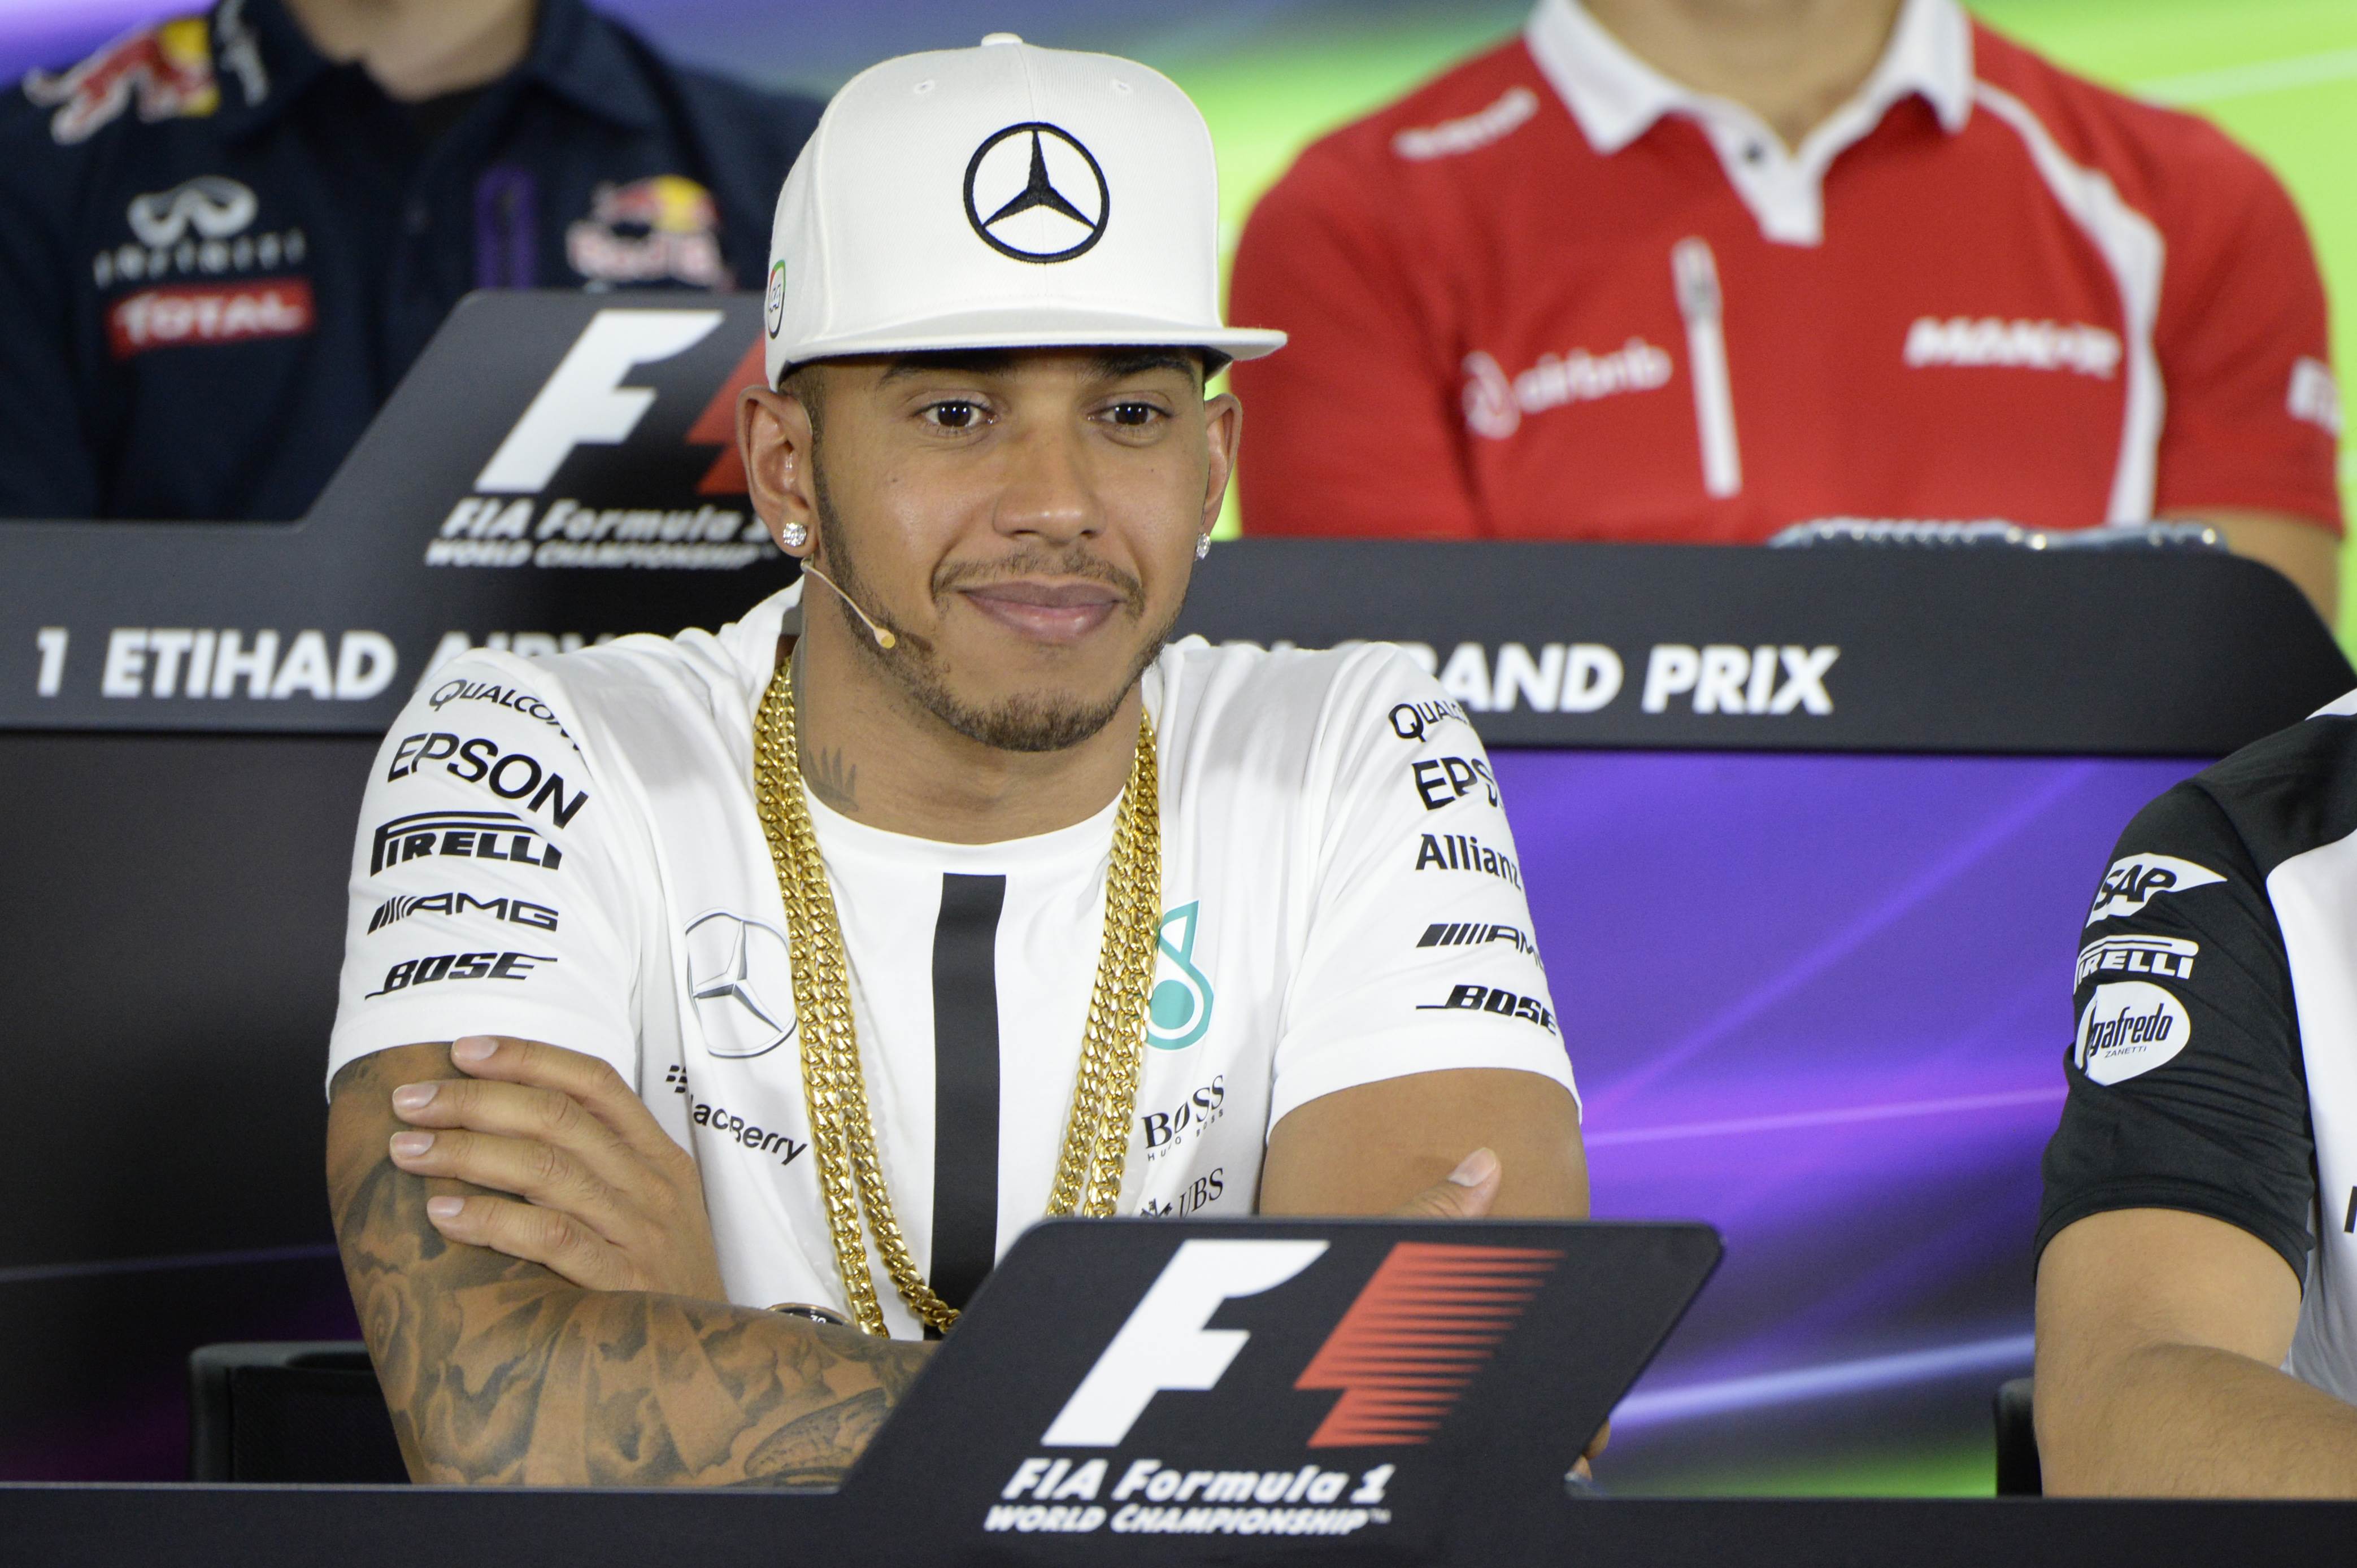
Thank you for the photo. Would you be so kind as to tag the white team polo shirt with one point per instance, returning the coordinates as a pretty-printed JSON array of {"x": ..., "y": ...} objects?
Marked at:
[{"x": 566, "y": 849}]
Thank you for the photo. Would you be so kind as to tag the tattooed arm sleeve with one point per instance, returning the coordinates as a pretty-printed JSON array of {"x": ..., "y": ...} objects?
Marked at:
[{"x": 496, "y": 1370}]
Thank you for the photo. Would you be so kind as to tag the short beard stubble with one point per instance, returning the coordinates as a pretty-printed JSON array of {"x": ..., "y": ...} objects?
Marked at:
[{"x": 1031, "y": 724}]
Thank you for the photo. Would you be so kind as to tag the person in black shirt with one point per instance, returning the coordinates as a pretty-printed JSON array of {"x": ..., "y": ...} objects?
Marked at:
[
  {"x": 2197, "y": 1292},
  {"x": 225, "y": 237}
]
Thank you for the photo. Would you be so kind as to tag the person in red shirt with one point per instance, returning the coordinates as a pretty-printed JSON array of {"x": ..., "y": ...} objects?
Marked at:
[{"x": 1677, "y": 270}]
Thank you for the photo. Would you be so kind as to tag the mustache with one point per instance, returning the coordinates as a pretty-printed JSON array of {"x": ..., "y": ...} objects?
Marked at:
[{"x": 1038, "y": 561}]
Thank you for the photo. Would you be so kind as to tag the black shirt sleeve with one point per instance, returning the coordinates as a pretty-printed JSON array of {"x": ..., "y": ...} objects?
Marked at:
[
  {"x": 47, "y": 466},
  {"x": 2187, "y": 1088}
]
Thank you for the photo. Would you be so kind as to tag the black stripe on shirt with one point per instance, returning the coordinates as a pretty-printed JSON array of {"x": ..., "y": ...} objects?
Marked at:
[{"x": 966, "y": 1084}]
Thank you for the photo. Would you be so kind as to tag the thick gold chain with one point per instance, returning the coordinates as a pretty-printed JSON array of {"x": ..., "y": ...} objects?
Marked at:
[{"x": 843, "y": 1131}]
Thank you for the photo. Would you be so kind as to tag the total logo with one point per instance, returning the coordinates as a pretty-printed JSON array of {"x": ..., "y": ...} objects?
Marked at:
[
  {"x": 1391, "y": 1395},
  {"x": 2128, "y": 1028},
  {"x": 740, "y": 978}
]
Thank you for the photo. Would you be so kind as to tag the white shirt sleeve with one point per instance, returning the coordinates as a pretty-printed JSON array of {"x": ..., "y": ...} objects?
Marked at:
[
  {"x": 489, "y": 886},
  {"x": 1419, "y": 956}
]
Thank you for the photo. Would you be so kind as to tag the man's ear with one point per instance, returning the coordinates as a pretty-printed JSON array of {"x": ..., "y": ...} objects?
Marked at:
[
  {"x": 773, "y": 434},
  {"x": 1224, "y": 424}
]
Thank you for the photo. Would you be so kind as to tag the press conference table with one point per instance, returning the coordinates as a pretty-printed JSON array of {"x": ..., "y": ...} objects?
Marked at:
[{"x": 397, "y": 1527}]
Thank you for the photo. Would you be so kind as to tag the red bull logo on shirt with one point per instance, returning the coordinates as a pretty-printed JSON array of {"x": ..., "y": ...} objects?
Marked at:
[
  {"x": 662, "y": 228},
  {"x": 167, "y": 70}
]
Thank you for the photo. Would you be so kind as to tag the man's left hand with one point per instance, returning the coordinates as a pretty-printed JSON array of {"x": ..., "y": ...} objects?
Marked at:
[{"x": 609, "y": 1201}]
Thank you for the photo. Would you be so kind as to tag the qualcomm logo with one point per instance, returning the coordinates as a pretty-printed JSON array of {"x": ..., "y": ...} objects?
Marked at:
[
  {"x": 1180, "y": 1009},
  {"x": 741, "y": 978}
]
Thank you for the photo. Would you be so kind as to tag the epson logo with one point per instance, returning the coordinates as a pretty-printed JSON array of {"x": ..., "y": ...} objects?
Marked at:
[
  {"x": 1494, "y": 999},
  {"x": 516, "y": 911},
  {"x": 1442, "y": 781},
  {"x": 466, "y": 835},
  {"x": 2171, "y": 956},
  {"x": 461, "y": 966},
  {"x": 514, "y": 776},
  {"x": 1462, "y": 934}
]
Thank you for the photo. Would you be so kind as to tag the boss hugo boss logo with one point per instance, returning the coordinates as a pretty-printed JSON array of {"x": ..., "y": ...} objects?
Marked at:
[
  {"x": 741, "y": 978},
  {"x": 1035, "y": 193}
]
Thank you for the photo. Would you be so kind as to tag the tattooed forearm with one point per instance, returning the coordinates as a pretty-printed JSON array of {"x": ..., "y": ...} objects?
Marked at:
[
  {"x": 497, "y": 1370},
  {"x": 833, "y": 780}
]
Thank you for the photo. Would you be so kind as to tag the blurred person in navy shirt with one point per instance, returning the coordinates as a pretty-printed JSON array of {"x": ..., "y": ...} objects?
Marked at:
[{"x": 225, "y": 237}]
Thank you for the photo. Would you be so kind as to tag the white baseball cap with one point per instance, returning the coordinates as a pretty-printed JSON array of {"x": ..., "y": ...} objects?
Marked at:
[{"x": 1000, "y": 197}]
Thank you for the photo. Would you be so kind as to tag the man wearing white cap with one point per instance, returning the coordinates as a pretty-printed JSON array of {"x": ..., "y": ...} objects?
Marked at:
[{"x": 817, "y": 957}]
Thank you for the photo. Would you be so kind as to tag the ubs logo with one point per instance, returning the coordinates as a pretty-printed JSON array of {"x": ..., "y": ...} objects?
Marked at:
[
  {"x": 1044, "y": 194},
  {"x": 741, "y": 978}
]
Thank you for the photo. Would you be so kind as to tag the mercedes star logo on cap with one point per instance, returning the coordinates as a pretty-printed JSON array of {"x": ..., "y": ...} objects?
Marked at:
[{"x": 1045, "y": 195}]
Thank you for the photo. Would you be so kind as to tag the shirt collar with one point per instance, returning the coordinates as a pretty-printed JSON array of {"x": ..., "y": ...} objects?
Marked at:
[
  {"x": 1617, "y": 98},
  {"x": 264, "y": 62}
]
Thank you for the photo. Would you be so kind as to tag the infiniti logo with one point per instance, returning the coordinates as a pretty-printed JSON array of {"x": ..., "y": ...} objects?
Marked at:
[
  {"x": 1044, "y": 195},
  {"x": 216, "y": 205},
  {"x": 742, "y": 981}
]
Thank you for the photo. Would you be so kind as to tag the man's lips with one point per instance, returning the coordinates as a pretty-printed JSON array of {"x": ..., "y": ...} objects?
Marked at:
[{"x": 1046, "y": 611}]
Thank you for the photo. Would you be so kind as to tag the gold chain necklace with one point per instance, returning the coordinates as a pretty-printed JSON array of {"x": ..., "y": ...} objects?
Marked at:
[{"x": 843, "y": 1131}]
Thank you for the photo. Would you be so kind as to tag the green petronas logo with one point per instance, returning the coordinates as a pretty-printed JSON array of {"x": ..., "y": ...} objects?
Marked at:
[{"x": 1182, "y": 1008}]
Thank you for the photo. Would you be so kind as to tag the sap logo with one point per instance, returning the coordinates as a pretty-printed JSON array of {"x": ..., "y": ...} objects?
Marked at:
[
  {"x": 583, "y": 400},
  {"x": 1393, "y": 1393},
  {"x": 1561, "y": 677},
  {"x": 1459, "y": 934},
  {"x": 2172, "y": 956},
  {"x": 174, "y": 661},
  {"x": 1494, "y": 999},
  {"x": 1194, "y": 1113},
  {"x": 1442, "y": 781},
  {"x": 461, "y": 966},
  {"x": 2136, "y": 880},
  {"x": 512, "y": 777},
  {"x": 516, "y": 911},
  {"x": 466, "y": 835},
  {"x": 1725, "y": 679},
  {"x": 1409, "y": 721},
  {"x": 2128, "y": 1027},
  {"x": 1202, "y": 1193},
  {"x": 1465, "y": 852}
]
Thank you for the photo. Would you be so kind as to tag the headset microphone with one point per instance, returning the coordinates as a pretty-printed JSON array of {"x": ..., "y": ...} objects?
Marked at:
[{"x": 884, "y": 639}]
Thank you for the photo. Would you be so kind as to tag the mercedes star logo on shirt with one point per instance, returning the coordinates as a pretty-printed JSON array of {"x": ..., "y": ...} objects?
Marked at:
[
  {"x": 742, "y": 981},
  {"x": 1044, "y": 194}
]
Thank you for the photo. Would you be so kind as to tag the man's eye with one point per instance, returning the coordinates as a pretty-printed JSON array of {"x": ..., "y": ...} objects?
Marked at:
[
  {"x": 954, "y": 416},
  {"x": 1134, "y": 413}
]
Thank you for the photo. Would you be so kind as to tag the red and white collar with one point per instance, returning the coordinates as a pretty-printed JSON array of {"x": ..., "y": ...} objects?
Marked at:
[{"x": 1617, "y": 97}]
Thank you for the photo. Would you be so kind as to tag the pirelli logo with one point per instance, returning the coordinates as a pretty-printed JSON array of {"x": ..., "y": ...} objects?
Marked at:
[{"x": 2169, "y": 956}]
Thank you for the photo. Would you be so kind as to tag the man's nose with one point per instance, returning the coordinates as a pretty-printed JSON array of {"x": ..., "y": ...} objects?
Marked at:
[{"x": 1046, "y": 493}]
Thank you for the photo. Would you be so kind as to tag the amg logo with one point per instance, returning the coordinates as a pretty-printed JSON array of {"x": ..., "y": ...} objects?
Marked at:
[
  {"x": 516, "y": 911},
  {"x": 1495, "y": 999},
  {"x": 461, "y": 966},
  {"x": 467, "y": 835},
  {"x": 1465, "y": 852},
  {"x": 1447, "y": 934},
  {"x": 2171, "y": 956}
]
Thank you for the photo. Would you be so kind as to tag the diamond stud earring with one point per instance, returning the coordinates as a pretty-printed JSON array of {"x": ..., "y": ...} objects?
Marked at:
[
  {"x": 794, "y": 535},
  {"x": 1203, "y": 545}
]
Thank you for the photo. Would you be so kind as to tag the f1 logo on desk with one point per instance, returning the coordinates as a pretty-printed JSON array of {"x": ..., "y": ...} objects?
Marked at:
[{"x": 1425, "y": 1324}]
